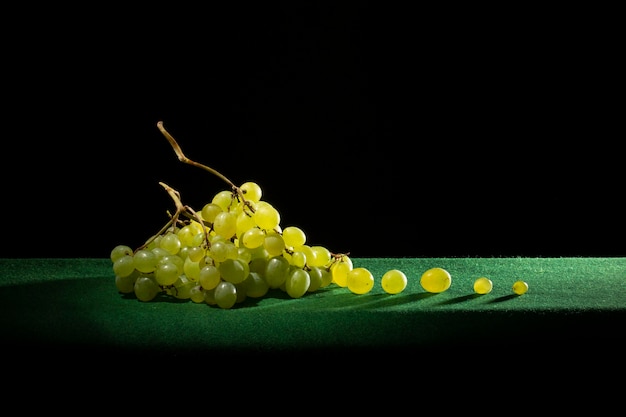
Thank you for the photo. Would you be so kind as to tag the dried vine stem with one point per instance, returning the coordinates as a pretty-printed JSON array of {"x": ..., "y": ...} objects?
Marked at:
[{"x": 183, "y": 158}]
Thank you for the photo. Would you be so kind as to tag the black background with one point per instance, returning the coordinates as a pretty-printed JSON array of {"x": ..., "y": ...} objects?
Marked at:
[{"x": 380, "y": 131}]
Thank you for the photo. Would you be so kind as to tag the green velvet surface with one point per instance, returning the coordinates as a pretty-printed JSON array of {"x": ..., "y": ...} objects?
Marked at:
[{"x": 73, "y": 303}]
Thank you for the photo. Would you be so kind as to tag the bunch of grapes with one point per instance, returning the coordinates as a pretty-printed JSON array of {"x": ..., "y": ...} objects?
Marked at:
[{"x": 232, "y": 249}]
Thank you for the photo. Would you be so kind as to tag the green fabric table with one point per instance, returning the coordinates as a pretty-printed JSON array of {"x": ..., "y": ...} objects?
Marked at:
[{"x": 67, "y": 304}]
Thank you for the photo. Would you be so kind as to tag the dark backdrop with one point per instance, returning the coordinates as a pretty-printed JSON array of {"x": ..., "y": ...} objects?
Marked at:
[{"x": 380, "y": 131}]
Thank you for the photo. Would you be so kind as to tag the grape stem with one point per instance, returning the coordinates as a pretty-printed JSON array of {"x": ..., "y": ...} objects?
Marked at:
[
  {"x": 180, "y": 209},
  {"x": 187, "y": 211},
  {"x": 183, "y": 158}
]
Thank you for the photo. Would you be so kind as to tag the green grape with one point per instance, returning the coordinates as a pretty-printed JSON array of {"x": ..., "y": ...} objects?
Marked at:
[
  {"x": 223, "y": 199},
  {"x": 225, "y": 294},
  {"x": 209, "y": 211},
  {"x": 145, "y": 288},
  {"x": 209, "y": 297},
  {"x": 196, "y": 294},
  {"x": 256, "y": 286},
  {"x": 174, "y": 259},
  {"x": 259, "y": 252},
  {"x": 436, "y": 280},
  {"x": 360, "y": 280},
  {"x": 155, "y": 242},
  {"x": 119, "y": 251},
  {"x": 274, "y": 244},
  {"x": 294, "y": 236},
  {"x": 321, "y": 256},
  {"x": 195, "y": 253},
  {"x": 520, "y": 287},
  {"x": 145, "y": 260},
  {"x": 483, "y": 285},
  {"x": 222, "y": 249},
  {"x": 187, "y": 233},
  {"x": 182, "y": 253},
  {"x": 394, "y": 281},
  {"x": 192, "y": 269},
  {"x": 339, "y": 270},
  {"x": 209, "y": 277},
  {"x": 124, "y": 266},
  {"x": 159, "y": 252},
  {"x": 316, "y": 276},
  {"x": 126, "y": 284},
  {"x": 297, "y": 282},
  {"x": 166, "y": 273},
  {"x": 298, "y": 259},
  {"x": 251, "y": 191},
  {"x": 171, "y": 243},
  {"x": 240, "y": 289},
  {"x": 253, "y": 238},
  {"x": 182, "y": 288},
  {"x": 225, "y": 224},
  {"x": 258, "y": 265},
  {"x": 266, "y": 216},
  {"x": 308, "y": 252},
  {"x": 276, "y": 271},
  {"x": 327, "y": 277},
  {"x": 234, "y": 270},
  {"x": 244, "y": 222},
  {"x": 245, "y": 254}
]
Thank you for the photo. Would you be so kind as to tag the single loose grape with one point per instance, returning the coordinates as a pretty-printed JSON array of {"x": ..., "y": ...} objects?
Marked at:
[
  {"x": 393, "y": 281},
  {"x": 359, "y": 280},
  {"x": 483, "y": 285},
  {"x": 520, "y": 287},
  {"x": 436, "y": 280}
]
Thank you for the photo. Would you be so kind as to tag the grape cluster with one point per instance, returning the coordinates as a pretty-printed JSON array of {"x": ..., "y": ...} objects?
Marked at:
[{"x": 233, "y": 248}]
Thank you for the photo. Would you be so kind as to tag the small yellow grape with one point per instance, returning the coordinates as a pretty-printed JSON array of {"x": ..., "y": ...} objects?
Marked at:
[
  {"x": 393, "y": 281},
  {"x": 436, "y": 280},
  {"x": 360, "y": 280},
  {"x": 520, "y": 287},
  {"x": 483, "y": 285}
]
